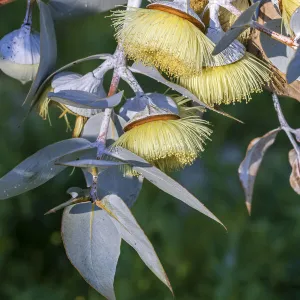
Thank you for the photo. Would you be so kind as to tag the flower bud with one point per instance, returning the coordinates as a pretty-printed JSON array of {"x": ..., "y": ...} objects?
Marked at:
[
  {"x": 72, "y": 81},
  {"x": 20, "y": 54}
]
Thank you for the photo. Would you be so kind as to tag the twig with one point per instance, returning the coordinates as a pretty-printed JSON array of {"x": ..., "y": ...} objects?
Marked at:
[
  {"x": 120, "y": 60},
  {"x": 274, "y": 35},
  {"x": 284, "y": 125}
]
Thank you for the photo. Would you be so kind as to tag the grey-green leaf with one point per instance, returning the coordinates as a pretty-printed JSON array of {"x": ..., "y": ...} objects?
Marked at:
[
  {"x": 245, "y": 19},
  {"x": 250, "y": 165},
  {"x": 40, "y": 167},
  {"x": 82, "y": 99},
  {"x": 229, "y": 37},
  {"x": 114, "y": 181},
  {"x": 132, "y": 233},
  {"x": 161, "y": 180},
  {"x": 72, "y": 8},
  {"x": 279, "y": 54},
  {"x": 293, "y": 70},
  {"x": 87, "y": 163},
  {"x": 295, "y": 22},
  {"x": 92, "y": 244},
  {"x": 48, "y": 50},
  {"x": 91, "y": 128}
]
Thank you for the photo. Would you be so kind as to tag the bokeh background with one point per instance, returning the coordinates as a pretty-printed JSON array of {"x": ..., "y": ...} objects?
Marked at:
[{"x": 259, "y": 256}]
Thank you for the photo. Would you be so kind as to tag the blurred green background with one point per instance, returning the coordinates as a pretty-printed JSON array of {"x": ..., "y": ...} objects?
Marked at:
[{"x": 259, "y": 257}]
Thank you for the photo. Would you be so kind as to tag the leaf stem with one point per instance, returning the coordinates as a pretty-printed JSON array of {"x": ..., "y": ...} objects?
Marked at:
[{"x": 284, "y": 125}]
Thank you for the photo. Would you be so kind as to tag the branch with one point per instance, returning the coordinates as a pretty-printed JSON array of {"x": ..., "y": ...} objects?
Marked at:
[
  {"x": 272, "y": 34},
  {"x": 284, "y": 125}
]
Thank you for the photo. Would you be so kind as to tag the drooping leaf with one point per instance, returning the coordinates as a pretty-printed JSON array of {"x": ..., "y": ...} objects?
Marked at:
[
  {"x": 87, "y": 163},
  {"x": 161, "y": 180},
  {"x": 293, "y": 70},
  {"x": 241, "y": 24},
  {"x": 114, "y": 181},
  {"x": 48, "y": 50},
  {"x": 153, "y": 73},
  {"x": 82, "y": 99},
  {"x": 132, "y": 233},
  {"x": 228, "y": 38},
  {"x": 40, "y": 167},
  {"x": 279, "y": 54},
  {"x": 295, "y": 175},
  {"x": 92, "y": 244},
  {"x": 250, "y": 165},
  {"x": 295, "y": 21},
  {"x": 246, "y": 17},
  {"x": 71, "y": 8}
]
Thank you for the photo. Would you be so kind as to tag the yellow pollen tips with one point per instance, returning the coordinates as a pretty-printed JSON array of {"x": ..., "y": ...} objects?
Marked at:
[
  {"x": 198, "y": 5},
  {"x": 230, "y": 83},
  {"x": 164, "y": 40},
  {"x": 288, "y": 8},
  {"x": 168, "y": 144}
]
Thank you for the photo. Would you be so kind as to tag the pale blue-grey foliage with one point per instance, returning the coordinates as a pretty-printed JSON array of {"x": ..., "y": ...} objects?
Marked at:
[
  {"x": 82, "y": 99},
  {"x": 132, "y": 233},
  {"x": 48, "y": 50},
  {"x": 40, "y": 167},
  {"x": 161, "y": 180},
  {"x": 92, "y": 244}
]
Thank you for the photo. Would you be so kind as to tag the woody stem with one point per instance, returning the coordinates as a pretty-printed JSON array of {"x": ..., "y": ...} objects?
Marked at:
[{"x": 274, "y": 35}]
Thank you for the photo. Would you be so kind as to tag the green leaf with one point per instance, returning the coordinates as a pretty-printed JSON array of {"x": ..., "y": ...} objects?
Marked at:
[
  {"x": 250, "y": 165},
  {"x": 161, "y": 180},
  {"x": 48, "y": 50},
  {"x": 132, "y": 233},
  {"x": 82, "y": 99},
  {"x": 40, "y": 167},
  {"x": 92, "y": 244},
  {"x": 72, "y": 8},
  {"x": 93, "y": 125}
]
